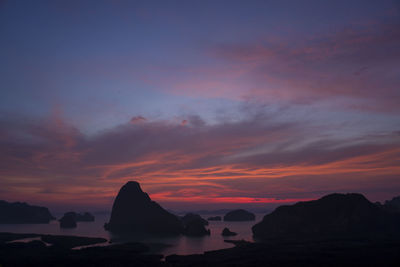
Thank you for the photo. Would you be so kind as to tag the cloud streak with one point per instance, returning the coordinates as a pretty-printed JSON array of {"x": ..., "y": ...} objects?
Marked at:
[
  {"x": 256, "y": 160},
  {"x": 355, "y": 67}
]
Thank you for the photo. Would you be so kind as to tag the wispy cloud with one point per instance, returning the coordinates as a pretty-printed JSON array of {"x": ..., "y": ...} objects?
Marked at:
[
  {"x": 255, "y": 160},
  {"x": 354, "y": 67}
]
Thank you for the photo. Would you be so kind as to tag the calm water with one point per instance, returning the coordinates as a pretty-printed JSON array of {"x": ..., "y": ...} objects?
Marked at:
[{"x": 181, "y": 245}]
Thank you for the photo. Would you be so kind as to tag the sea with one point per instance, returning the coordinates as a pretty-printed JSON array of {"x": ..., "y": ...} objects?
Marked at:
[{"x": 180, "y": 245}]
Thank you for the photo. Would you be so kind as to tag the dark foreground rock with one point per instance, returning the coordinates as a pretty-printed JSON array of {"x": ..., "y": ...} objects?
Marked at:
[
  {"x": 312, "y": 254},
  {"x": 227, "y": 232},
  {"x": 18, "y": 212},
  {"x": 68, "y": 220},
  {"x": 239, "y": 215},
  {"x": 64, "y": 241},
  {"x": 71, "y": 241},
  {"x": 214, "y": 218},
  {"x": 36, "y": 253},
  {"x": 134, "y": 211},
  {"x": 335, "y": 215},
  {"x": 6, "y": 237},
  {"x": 392, "y": 205},
  {"x": 238, "y": 243}
]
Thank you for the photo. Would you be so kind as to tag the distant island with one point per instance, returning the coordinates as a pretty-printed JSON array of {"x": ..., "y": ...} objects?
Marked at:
[
  {"x": 70, "y": 219},
  {"x": 22, "y": 213},
  {"x": 194, "y": 225},
  {"x": 239, "y": 215}
]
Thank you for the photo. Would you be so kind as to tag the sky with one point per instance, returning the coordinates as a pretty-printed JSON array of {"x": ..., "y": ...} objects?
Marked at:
[{"x": 208, "y": 104}]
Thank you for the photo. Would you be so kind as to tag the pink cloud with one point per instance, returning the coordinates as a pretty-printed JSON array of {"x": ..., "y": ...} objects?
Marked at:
[
  {"x": 255, "y": 160},
  {"x": 323, "y": 67},
  {"x": 356, "y": 68}
]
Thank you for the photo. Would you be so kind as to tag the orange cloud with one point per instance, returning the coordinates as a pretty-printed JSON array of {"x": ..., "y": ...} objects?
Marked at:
[{"x": 242, "y": 162}]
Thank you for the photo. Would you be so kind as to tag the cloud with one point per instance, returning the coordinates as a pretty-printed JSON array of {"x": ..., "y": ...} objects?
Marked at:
[
  {"x": 258, "y": 159},
  {"x": 137, "y": 119},
  {"x": 355, "y": 67}
]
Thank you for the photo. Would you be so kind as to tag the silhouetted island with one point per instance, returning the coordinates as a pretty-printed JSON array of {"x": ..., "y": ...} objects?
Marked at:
[
  {"x": 227, "y": 232},
  {"x": 18, "y": 212},
  {"x": 360, "y": 233},
  {"x": 344, "y": 215},
  {"x": 214, "y": 218},
  {"x": 195, "y": 228},
  {"x": 194, "y": 225},
  {"x": 85, "y": 217},
  {"x": 239, "y": 215},
  {"x": 189, "y": 217},
  {"x": 134, "y": 211},
  {"x": 68, "y": 220}
]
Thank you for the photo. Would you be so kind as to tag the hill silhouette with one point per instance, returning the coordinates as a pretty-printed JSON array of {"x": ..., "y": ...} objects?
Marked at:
[
  {"x": 19, "y": 212},
  {"x": 134, "y": 211},
  {"x": 346, "y": 215},
  {"x": 393, "y": 204}
]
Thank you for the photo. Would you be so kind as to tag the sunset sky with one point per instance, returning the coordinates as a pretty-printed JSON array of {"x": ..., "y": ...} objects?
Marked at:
[{"x": 208, "y": 104}]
